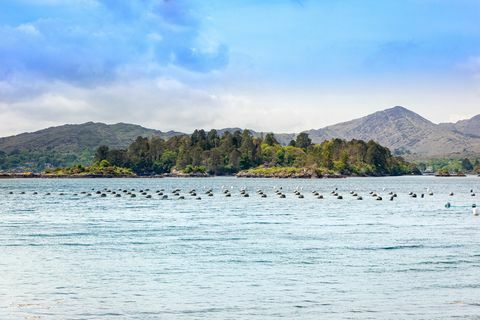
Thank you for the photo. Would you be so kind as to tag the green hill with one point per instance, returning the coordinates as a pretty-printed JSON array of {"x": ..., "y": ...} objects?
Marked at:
[{"x": 68, "y": 144}]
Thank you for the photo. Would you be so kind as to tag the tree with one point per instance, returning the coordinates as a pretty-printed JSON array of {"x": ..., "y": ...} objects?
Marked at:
[
  {"x": 165, "y": 163},
  {"x": 270, "y": 139},
  {"x": 303, "y": 141},
  {"x": 101, "y": 153},
  {"x": 467, "y": 165}
]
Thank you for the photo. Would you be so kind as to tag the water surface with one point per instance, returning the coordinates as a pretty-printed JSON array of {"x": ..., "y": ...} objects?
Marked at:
[{"x": 78, "y": 257}]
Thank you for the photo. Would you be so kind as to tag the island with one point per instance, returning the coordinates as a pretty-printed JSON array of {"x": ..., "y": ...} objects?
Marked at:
[{"x": 240, "y": 154}]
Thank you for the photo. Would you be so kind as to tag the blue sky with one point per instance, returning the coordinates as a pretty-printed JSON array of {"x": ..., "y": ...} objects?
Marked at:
[{"x": 280, "y": 65}]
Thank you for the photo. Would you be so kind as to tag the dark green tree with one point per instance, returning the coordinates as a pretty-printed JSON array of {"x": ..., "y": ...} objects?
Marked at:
[{"x": 303, "y": 141}]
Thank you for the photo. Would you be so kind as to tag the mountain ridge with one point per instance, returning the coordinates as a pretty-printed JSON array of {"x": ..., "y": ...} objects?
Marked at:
[{"x": 405, "y": 132}]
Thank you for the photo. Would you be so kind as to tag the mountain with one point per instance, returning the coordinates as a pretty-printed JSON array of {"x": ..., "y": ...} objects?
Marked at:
[
  {"x": 403, "y": 131},
  {"x": 68, "y": 144},
  {"x": 77, "y": 137},
  {"x": 468, "y": 127}
]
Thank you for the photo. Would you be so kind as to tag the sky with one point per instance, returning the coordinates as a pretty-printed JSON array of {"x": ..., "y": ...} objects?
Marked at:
[{"x": 271, "y": 65}]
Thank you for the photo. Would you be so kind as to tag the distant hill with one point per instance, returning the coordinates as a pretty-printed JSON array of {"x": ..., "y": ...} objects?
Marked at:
[
  {"x": 402, "y": 131},
  {"x": 468, "y": 127},
  {"x": 71, "y": 143}
]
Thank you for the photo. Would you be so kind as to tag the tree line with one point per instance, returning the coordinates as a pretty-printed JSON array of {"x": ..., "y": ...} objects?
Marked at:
[{"x": 208, "y": 152}]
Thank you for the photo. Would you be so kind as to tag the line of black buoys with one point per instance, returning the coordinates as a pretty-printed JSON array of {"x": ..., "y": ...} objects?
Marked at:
[
  {"x": 118, "y": 195},
  {"x": 103, "y": 195},
  {"x": 133, "y": 195}
]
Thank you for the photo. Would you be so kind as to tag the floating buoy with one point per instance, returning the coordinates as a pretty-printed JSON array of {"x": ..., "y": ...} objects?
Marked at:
[
  {"x": 165, "y": 197},
  {"x": 228, "y": 195},
  {"x": 379, "y": 199},
  {"x": 447, "y": 205},
  {"x": 282, "y": 196},
  {"x": 198, "y": 198},
  {"x": 339, "y": 197},
  {"x": 300, "y": 196},
  {"x": 359, "y": 198},
  {"x": 264, "y": 195},
  {"x": 320, "y": 197},
  {"x": 133, "y": 195},
  {"x": 103, "y": 195}
]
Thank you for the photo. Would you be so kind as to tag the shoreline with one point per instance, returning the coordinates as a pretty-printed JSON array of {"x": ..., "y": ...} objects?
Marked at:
[{"x": 240, "y": 176}]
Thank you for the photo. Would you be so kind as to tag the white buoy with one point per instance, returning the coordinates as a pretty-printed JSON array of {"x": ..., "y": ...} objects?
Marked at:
[{"x": 475, "y": 211}]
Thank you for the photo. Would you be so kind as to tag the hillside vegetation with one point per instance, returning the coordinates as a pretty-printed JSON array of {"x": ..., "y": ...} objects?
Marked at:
[{"x": 230, "y": 153}]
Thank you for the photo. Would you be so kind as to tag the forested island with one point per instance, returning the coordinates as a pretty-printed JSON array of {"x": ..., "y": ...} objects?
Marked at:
[{"x": 240, "y": 153}]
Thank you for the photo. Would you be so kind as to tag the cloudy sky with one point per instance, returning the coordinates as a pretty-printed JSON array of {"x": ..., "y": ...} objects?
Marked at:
[{"x": 278, "y": 65}]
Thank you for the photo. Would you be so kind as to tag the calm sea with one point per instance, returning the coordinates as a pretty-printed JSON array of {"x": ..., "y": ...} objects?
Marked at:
[{"x": 74, "y": 256}]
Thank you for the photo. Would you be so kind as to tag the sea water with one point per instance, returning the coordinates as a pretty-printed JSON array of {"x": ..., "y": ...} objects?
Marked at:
[{"x": 75, "y": 256}]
